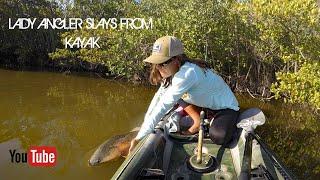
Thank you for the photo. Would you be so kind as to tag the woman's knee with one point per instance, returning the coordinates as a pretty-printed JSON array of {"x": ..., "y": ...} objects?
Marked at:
[{"x": 218, "y": 136}]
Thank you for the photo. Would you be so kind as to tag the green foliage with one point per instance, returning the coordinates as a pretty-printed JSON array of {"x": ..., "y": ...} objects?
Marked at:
[
  {"x": 122, "y": 50},
  {"x": 28, "y": 46},
  {"x": 289, "y": 35},
  {"x": 252, "y": 44},
  {"x": 286, "y": 29},
  {"x": 300, "y": 87}
]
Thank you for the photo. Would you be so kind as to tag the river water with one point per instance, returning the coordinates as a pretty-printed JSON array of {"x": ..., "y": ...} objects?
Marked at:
[{"x": 77, "y": 113}]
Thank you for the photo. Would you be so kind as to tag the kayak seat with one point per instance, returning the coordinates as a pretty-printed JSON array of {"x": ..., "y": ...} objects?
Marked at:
[{"x": 253, "y": 116}]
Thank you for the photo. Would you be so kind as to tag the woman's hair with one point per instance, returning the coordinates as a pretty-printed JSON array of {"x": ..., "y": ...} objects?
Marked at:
[{"x": 155, "y": 76}]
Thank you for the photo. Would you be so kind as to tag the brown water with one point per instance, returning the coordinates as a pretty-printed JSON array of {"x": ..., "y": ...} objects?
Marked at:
[{"x": 76, "y": 114}]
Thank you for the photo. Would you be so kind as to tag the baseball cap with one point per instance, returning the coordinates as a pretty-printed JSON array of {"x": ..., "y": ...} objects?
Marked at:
[{"x": 165, "y": 48}]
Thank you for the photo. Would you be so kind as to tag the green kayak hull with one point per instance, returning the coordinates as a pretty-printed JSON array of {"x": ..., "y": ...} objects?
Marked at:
[{"x": 162, "y": 155}]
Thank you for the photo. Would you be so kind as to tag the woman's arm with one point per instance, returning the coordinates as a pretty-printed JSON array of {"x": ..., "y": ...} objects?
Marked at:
[
  {"x": 155, "y": 100},
  {"x": 182, "y": 81}
]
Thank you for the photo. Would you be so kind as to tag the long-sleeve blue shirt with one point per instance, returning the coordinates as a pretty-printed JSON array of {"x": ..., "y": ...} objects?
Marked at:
[{"x": 194, "y": 85}]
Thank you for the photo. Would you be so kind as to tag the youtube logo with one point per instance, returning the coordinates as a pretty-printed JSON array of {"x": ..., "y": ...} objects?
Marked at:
[{"x": 38, "y": 156}]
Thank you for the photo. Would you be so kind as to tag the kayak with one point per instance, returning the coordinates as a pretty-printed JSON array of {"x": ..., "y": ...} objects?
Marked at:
[{"x": 166, "y": 155}]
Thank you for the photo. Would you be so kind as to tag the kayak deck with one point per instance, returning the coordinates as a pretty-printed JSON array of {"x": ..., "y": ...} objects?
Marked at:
[
  {"x": 164, "y": 155},
  {"x": 181, "y": 152},
  {"x": 151, "y": 154}
]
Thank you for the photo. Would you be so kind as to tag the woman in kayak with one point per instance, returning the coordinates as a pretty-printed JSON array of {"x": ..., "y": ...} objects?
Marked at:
[{"x": 194, "y": 86}]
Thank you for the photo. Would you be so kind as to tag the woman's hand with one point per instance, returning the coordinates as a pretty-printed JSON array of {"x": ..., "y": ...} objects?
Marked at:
[{"x": 133, "y": 144}]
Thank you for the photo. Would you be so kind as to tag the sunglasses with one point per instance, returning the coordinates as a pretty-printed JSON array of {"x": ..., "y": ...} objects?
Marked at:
[{"x": 166, "y": 63}]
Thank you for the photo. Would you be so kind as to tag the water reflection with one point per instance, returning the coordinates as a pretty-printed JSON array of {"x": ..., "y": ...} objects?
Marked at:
[{"x": 74, "y": 114}]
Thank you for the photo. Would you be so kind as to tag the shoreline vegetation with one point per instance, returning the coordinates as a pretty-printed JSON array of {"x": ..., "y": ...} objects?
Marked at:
[{"x": 268, "y": 49}]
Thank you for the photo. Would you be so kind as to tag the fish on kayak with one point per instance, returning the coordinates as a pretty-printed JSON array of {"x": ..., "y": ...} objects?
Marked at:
[{"x": 113, "y": 148}]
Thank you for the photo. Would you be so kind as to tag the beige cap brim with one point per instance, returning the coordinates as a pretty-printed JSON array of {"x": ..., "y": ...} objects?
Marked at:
[{"x": 156, "y": 59}]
